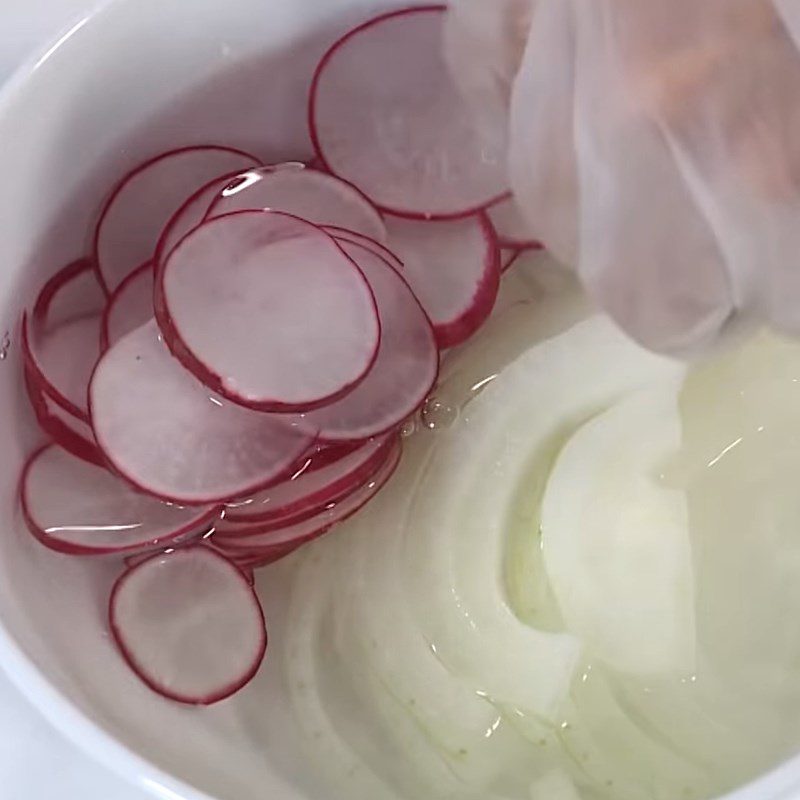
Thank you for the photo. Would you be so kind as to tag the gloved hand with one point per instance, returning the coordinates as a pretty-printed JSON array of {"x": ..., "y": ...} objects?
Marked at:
[{"x": 655, "y": 145}]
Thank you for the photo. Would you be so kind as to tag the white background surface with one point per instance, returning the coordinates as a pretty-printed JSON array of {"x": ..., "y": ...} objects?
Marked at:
[{"x": 35, "y": 762}]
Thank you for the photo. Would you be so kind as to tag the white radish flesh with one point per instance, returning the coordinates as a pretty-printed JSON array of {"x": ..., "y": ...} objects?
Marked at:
[
  {"x": 616, "y": 543},
  {"x": 403, "y": 132},
  {"x": 308, "y": 489},
  {"x": 79, "y": 508},
  {"x": 405, "y": 368},
  {"x": 306, "y": 193},
  {"x": 267, "y": 310},
  {"x": 189, "y": 624},
  {"x": 129, "y": 307},
  {"x": 453, "y": 267},
  {"x": 168, "y": 434},
  {"x": 139, "y": 206}
]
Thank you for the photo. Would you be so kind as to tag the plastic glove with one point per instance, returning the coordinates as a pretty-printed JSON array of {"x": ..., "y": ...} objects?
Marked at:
[{"x": 655, "y": 144}]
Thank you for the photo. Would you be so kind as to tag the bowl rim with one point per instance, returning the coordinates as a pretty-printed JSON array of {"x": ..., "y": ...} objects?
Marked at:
[{"x": 781, "y": 782}]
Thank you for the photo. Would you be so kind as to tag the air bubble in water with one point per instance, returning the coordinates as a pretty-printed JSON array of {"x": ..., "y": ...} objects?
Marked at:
[
  {"x": 409, "y": 427},
  {"x": 437, "y": 414},
  {"x": 5, "y": 346}
]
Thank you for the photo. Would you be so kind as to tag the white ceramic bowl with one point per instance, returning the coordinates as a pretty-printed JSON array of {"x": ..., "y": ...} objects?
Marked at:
[{"x": 139, "y": 77}]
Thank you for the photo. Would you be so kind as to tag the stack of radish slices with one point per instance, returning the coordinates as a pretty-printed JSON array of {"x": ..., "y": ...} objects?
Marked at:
[{"x": 225, "y": 377}]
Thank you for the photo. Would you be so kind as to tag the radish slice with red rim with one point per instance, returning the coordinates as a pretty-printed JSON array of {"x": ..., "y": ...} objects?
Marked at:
[
  {"x": 61, "y": 360},
  {"x": 309, "y": 529},
  {"x": 190, "y": 215},
  {"x": 306, "y": 193},
  {"x": 311, "y": 490},
  {"x": 453, "y": 268},
  {"x": 79, "y": 508},
  {"x": 267, "y": 310},
  {"x": 513, "y": 230},
  {"x": 129, "y": 307},
  {"x": 404, "y": 133},
  {"x": 169, "y": 435},
  {"x": 189, "y": 625},
  {"x": 267, "y": 556},
  {"x": 404, "y": 371},
  {"x": 345, "y": 235},
  {"x": 66, "y": 430},
  {"x": 71, "y": 293},
  {"x": 134, "y": 215}
]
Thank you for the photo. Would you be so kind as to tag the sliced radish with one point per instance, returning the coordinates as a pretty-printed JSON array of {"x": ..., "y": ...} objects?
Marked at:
[
  {"x": 323, "y": 454},
  {"x": 129, "y": 307},
  {"x": 76, "y": 507},
  {"x": 136, "y": 559},
  {"x": 309, "y": 529},
  {"x": 386, "y": 115},
  {"x": 267, "y": 310},
  {"x": 453, "y": 268},
  {"x": 190, "y": 215},
  {"x": 343, "y": 234},
  {"x": 513, "y": 230},
  {"x": 189, "y": 625},
  {"x": 169, "y": 435},
  {"x": 267, "y": 556},
  {"x": 313, "y": 489},
  {"x": 71, "y": 293},
  {"x": 61, "y": 360},
  {"x": 65, "y": 429},
  {"x": 306, "y": 193},
  {"x": 135, "y": 213},
  {"x": 404, "y": 371}
]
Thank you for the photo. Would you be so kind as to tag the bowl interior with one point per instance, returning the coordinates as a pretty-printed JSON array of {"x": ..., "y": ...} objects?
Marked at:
[{"x": 138, "y": 78}]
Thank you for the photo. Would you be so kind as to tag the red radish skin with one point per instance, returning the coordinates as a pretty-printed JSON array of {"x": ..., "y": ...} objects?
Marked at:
[
  {"x": 129, "y": 307},
  {"x": 229, "y": 529},
  {"x": 78, "y": 508},
  {"x": 405, "y": 135},
  {"x": 134, "y": 214},
  {"x": 513, "y": 231},
  {"x": 233, "y": 301},
  {"x": 267, "y": 557},
  {"x": 405, "y": 369},
  {"x": 169, "y": 436},
  {"x": 61, "y": 362},
  {"x": 309, "y": 529},
  {"x": 190, "y": 215},
  {"x": 306, "y": 193},
  {"x": 343, "y": 234},
  {"x": 322, "y": 455},
  {"x": 145, "y": 609},
  {"x": 74, "y": 435},
  {"x": 309, "y": 490},
  {"x": 453, "y": 267},
  {"x": 72, "y": 292},
  {"x": 508, "y": 258}
]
